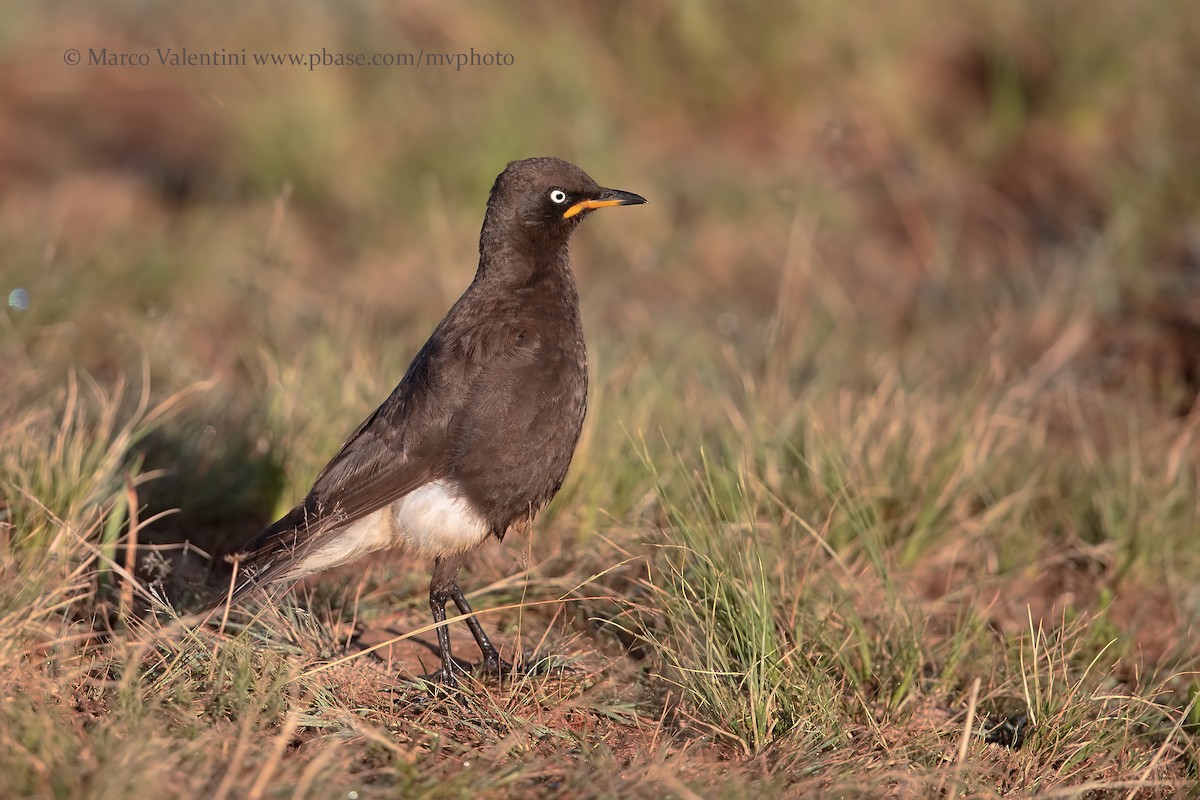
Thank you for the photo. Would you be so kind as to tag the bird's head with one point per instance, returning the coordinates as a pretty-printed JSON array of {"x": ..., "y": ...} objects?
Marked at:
[{"x": 543, "y": 200}]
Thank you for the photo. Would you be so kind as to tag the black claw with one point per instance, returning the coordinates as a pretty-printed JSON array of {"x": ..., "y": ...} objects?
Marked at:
[{"x": 493, "y": 664}]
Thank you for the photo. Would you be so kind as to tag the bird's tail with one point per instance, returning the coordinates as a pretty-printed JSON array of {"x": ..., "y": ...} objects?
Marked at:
[
  {"x": 245, "y": 579},
  {"x": 265, "y": 559}
]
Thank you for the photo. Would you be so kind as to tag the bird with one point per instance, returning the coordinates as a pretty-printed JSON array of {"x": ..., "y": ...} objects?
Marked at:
[{"x": 478, "y": 435}]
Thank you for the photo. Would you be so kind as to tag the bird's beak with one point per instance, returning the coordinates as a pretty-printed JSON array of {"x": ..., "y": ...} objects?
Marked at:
[{"x": 606, "y": 197}]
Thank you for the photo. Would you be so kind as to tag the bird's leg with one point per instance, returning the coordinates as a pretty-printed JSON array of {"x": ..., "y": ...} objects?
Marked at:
[
  {"x": 441, "y": 588},
  {"x": 492, "y": 662}
]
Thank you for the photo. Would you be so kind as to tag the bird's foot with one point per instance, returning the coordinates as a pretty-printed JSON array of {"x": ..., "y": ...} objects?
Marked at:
[
  {"x": 493, "y": 664},
  {"x": 442, "y": 684},
  {"x": 447, "y": 679}
]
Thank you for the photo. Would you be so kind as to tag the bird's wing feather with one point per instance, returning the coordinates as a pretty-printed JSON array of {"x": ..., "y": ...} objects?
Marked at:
[
  {"x": 393, "y": 451},
  {"x": 399, "y": 447}
]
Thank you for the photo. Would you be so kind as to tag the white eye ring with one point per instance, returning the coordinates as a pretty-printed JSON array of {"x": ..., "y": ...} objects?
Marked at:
[{"x": 558, "y": 196}]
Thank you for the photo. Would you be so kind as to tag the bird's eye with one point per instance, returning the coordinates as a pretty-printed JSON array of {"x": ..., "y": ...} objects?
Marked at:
[{"x": 558, "y": 196}]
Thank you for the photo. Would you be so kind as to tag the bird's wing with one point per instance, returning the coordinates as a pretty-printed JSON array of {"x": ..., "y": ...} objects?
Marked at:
[
  {"x": 414, "y": 434},
  {"x": 395, "y": 450},
  {"x": 402, "y": 445}
]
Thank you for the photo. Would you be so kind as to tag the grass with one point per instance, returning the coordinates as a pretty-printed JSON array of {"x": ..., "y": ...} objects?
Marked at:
[{"x": 888, "y": 485}]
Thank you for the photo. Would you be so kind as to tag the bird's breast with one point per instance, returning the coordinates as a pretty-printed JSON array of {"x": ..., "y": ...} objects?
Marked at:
[{"x": 516, "y": 443}]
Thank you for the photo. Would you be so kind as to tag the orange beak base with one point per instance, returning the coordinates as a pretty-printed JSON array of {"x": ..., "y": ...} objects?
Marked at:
[{"x": 608, "y": 197}]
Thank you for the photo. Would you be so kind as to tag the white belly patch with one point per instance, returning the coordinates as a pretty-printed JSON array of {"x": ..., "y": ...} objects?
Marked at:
[{"x": 434, "y": 520}]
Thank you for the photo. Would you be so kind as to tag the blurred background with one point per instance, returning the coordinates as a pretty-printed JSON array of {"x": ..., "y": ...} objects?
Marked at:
[
  {"x": 912, "y": 318},
  {"x": 953, "y": 198}
]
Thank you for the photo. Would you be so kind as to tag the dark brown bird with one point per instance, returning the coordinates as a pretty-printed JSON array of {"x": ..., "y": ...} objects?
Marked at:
[{"x": 477, "y": 437}]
